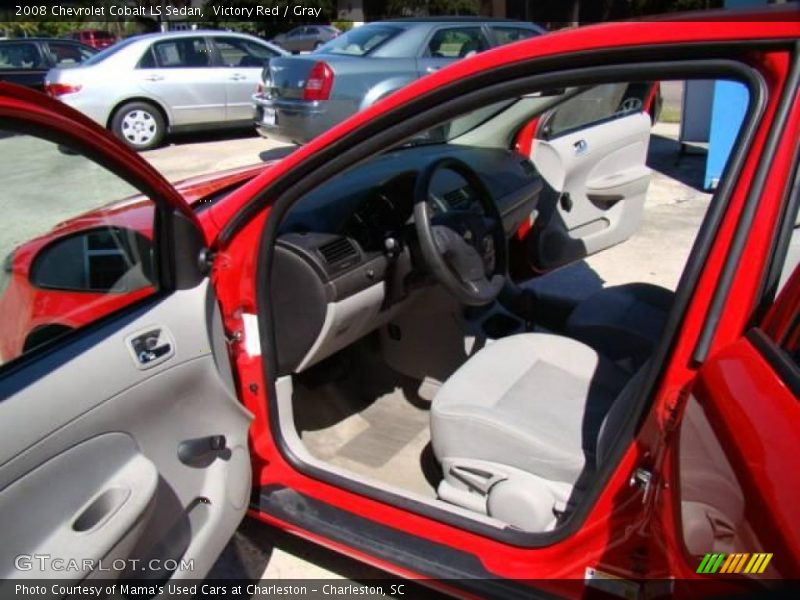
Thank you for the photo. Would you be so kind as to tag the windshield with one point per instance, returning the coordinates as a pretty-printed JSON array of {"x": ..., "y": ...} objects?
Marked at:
[
  {"x": 359, "y": 41},
  {"x": 111, "y": 50}
]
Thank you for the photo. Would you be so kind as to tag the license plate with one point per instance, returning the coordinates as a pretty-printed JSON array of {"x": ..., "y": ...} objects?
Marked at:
[{"x": 269, "y": 117}]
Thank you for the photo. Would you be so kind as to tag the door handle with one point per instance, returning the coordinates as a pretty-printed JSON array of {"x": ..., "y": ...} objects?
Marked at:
[
  {"x": 238, "y": 77},
  {"x": 151, "y": 347},
  {"x": 102, "y": 508},
  {"x": 154, "y": 78},
  {"x": 432, "y": 69},
  {"x": 201, "y": 452}
]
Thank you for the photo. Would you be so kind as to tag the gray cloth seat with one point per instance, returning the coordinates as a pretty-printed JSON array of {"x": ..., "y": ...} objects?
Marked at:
[
  {"x": 624, "y": 322},
  {"x": 528, "y": 408}
]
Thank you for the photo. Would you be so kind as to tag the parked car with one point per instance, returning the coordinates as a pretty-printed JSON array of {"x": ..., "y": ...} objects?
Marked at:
[
  {"x": 545, "y": 467},
  {"x": 299, "y": 97},
  {"x": 96, "y": 38},
  {"x": 25, "y": 61},
  {"x": 145, "y": 87},
  {"x": 306, "y": 37}
]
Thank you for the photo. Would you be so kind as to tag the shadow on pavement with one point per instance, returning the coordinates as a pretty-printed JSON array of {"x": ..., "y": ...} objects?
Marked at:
[
  {"x": 665, "y": 157},
  {"x": 276, "y": 153},
  {"x": 218, "y": 135}
]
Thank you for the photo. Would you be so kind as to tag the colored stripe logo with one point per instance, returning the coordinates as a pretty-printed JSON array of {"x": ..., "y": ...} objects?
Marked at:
[{"x": 755, "y": 563}]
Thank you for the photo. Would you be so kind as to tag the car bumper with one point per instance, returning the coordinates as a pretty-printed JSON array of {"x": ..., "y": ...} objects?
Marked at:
[{"x": 291, "y": 120}]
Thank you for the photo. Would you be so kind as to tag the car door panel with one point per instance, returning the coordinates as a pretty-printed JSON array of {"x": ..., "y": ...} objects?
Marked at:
[
  {"x": 146, "y": 415},
  {"x": 182, "y": 77},
  {"x": 598, "y": 180},
  {"x": 124, "y": 438},
  {"x": 736, "y": 496}
]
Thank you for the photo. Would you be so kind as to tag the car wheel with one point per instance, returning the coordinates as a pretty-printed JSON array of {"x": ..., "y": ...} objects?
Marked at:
[
  {"x": 317, "y": 45},
  {"x": 140, "y": 125}
]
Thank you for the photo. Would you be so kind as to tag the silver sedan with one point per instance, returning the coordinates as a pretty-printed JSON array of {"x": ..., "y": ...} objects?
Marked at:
[{"x": 147, "y": 86}]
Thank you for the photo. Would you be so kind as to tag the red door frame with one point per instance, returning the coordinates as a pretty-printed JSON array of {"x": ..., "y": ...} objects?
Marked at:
[{"x": 610, "y": 534}]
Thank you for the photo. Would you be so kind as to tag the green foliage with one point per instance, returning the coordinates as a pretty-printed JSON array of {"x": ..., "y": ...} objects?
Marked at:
[{"x": 432, "y": 7}]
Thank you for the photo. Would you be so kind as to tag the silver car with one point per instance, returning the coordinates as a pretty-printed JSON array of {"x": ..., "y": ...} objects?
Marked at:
[
  {"x": 147, "y": 86},
  {"x": 302, "y": 96},
  {"x": 306, "y": 37}
]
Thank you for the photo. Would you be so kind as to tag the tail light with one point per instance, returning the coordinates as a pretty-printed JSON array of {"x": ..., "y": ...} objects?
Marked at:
[
  {"x": 60, "y": 89},
  {"x": 260, "y": 89},
  {"x": 319, "y": 83}
]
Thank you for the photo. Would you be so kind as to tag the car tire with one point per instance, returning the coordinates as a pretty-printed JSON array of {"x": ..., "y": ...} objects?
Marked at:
[
  {"x": 317, "y": 45},
  {"x": 140, "y": 125}
]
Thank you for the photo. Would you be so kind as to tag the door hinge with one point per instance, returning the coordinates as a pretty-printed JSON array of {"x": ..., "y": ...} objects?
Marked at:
[{"x": 643, "y": 479}]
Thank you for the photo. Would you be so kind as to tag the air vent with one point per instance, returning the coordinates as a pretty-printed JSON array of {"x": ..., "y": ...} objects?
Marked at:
[{"x": 339, "y": 252}]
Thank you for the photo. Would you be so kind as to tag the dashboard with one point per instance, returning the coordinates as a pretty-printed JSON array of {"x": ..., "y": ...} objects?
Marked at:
[{"x": 346, "y": 258}]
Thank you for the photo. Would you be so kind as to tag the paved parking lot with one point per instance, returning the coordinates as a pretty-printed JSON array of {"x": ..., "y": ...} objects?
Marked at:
[{"x": 675, "y": 205}]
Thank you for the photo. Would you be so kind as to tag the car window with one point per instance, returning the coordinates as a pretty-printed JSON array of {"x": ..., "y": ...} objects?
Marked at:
[
  {"x": 237, "y": 52},
  {"x": 110, "y": 51},
  {"x": 182, "y": 53},
  {"x": 69, "y": 54},
  {"x": 70, "y": 251},
  {"x": 361, "y": 40},
  {"x": 296, "y": 32},
  {"x": 507, "y": 35},
  {"x": 457, "y": 42},
  {"x": 20, "y": 55},
  {"x": 595, "y": 105}
]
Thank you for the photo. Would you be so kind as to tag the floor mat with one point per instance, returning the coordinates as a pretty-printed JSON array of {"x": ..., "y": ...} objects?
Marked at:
[{"x": 369, "y": 420}]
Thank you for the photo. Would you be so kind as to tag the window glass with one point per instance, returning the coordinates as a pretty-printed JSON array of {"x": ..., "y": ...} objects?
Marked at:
[
  {"x": 595, "y": 105},
  {"x": 75, "y": 243},
  {"x": 236, "y": 52},
  {"x": 182, "y": 53},
  {"x": 361, "y": 40},
  {"x": 23, "y": 55},
  {"x": 69, "y": 54},
  {"x": 507, "y": 35},
  {"x": 457, "y": 42}
]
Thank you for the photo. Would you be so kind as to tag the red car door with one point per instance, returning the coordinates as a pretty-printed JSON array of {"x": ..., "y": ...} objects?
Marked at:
[
  {"x": 738, "y": 488},
  {"x": 122, "y": 440}
]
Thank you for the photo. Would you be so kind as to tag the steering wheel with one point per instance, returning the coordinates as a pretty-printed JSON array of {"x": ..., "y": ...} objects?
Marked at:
[{"x": 464, "y": 248}]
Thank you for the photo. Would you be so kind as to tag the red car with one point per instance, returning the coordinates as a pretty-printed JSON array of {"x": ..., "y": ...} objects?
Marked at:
[
  {"x": 299, "y": 354},
  {"x": 96, "y": 38},
  {"x": 43, "y": 312}
]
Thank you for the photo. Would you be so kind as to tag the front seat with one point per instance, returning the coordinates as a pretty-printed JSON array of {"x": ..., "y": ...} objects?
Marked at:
[
  {"x": 624, "y": 322},
  {"x": 517, "y": 425}
]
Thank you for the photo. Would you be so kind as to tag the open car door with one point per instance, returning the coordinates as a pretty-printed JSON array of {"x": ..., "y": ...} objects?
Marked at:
[
  {"x": 738, "y": 489},
  {"x": 122, "y": 437},
  {"x": 591, "y": 151}
]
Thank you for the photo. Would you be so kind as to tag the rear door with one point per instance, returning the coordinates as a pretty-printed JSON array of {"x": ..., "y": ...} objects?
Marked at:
[
  {"x": 739, "y": 487},
  {"x": 592, "y": 153},
  {"x": 122, "y": 439},
  {"x": 241, "y": 61},
  {"x": 447, "y": 44},
  {"x": 180, "y": 73}
]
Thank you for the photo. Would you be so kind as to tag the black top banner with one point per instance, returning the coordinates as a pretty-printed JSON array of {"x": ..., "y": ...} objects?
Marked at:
[{"x": 17, "y": 17}]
